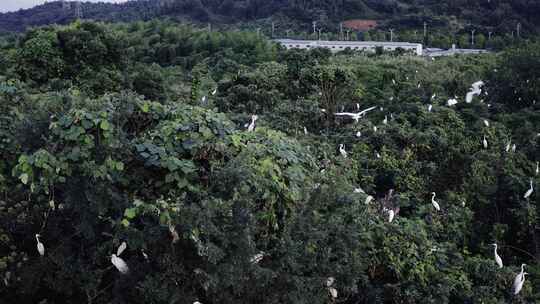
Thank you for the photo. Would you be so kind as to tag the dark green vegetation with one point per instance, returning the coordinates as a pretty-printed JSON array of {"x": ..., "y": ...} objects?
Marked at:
[
  {"x": 106, "y": 136},
  {"x": 448, "y": 21}
]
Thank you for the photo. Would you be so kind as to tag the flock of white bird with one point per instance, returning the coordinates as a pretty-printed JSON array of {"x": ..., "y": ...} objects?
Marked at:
[{"x": 476, "y": 90}]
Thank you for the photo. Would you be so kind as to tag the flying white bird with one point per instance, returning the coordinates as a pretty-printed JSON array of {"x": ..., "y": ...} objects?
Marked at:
[
  {"x": 40, "y": 246},
  {"x": 517, "y": 287},
  {"x": 121, "y": 248},
  {"x": 342, "y": 150},
  {"x": 485, "y": 143},
  {"x": 476, "y": 89},
  {"x": 355, "y": 116},
  {"x": 497, "y": 257},
  {"x": 530, "y": 191},
  {"x": 119, "y": 264},
  {"x": 429, "y": 108},
  {"x": 486, "y": 122},
  {"x": 251, "y": 126},
  {"x": 519, "y": 277},
  {"x": 451, "y": 102},
  {"x": 434, "y": 202}
]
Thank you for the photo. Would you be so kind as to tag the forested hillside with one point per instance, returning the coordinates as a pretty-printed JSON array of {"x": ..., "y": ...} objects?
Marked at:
[
  {"x": 159, "y": 163},
  {"x": 498, "y": 16}
]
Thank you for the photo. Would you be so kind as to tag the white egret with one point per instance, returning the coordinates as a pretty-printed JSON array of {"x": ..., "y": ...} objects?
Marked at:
[
  {"x": 121, "y": 248},
  {"x": 355, "y": 116},
  {"x": 330, "y": 281},
  {"x": 530, "y": 191},
  {"x": 391, "y": 214},
  {"x": 434, "y": 202},
  {"x": 498, "y": 259},
  {"x": 537, "y": 168},
  {"x": 358, "y": 134},
  {"x": 214, "y": 92},
  {"x": 256, "y": 258},
  {"x": 305, "y": 131},
  {"x": 382, "y": 108},
  {"x": 377, "y": 155},
  {"x": 359, "y": 190},
  {"x": 385, "y": 120},
  {"x": 485, "y": 143},
  {"x": 197, "y": 302},
  {"x": 463, "y": 204},
  {"x": 393, "y": 81},
  {"x": 451, "y": 102},
  {"x": 508, "y": 146},
  {"x": 391, "y": 98},
  {"x": 40, "y": 246},
  {"x": 476, "y": 89},
  {"x": 519, "y": 277},
  {"x": 433, "y": 96},
  {"x": 203, "y": 99},
  {"x": 429, "y": 108},
  {"x": 342, "y": 150},
  {"x": 368, "y": 199},
  {"x": 514, "y": 148},
  {"x": 251, "y": 126},
  {"x": 374, "y": 128},
  {"x": 174, "y": 234},
  {"x": 517, "y": 287},
  {"x": 333, "y": 292},
  {"x": 120, "y": 264},
  {"x": 486, "y": 122},
  {"x": 144, "y": 254}
]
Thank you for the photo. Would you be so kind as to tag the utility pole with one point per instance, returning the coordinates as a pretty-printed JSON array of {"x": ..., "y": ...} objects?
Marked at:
[
  {"x": 518, "y": 29},
  {"x": 341, "y": 31},
  {"x": 273, "y": 29},
  {"x": 319, "y": 33},
  {"x": 472, "y": 37},
  {"x": 287, "y": 33},
  {"x": 347, "y": 35},
  {"x": 314, "y": 24},
  {"x": 209, "y": 27},
  {"x": 489, "y": 35},
  {"x": 391, "y": 35},
  {"x": 78, "y": 10},
  {"x": 425, "y": 29}
]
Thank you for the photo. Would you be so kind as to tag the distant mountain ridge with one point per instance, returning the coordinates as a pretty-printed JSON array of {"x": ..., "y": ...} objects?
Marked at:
[{"x": 498, "y": 15}]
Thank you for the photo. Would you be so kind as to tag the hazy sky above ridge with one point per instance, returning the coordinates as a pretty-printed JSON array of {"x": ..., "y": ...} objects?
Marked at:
[{"x": 13, "y": 5}]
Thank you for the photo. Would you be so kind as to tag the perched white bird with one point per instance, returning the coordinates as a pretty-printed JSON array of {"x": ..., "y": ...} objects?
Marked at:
[
  {"x": 355, "y": 116},
  {"x": 342, "y": 150},
  {"x": 433, "y": 96},
  {"x": 358, "y": 134},
  {"x": 517, "y": 287},
  {"x": 368, "y": 199},
  {"x": 119, "y": 264},
  {"x": 121, "y": 248},
  {"x": 257, "y": 258},
  {"x": 377, "y": 155},
  {"x": 497, "y": 257},
  {"x": 385, "y": 120},
  {"x": 514, "y": 148},
  {"x": 330, "y": 281},
  {"x": 305, "y": 131},
  {"x": 463, "y": 204},
  {"x": 419, "y": 85},
  {"x": 40, "y": 246},
  {"x": 508, "y": 146},
  {"x": 476, "y": 89},
  {"x": 537, "y": 168},
  {"x": 203, "y": 99},
  {"x": 530, "y": 191},
  {"x": 429, "y": 108},
  {"x": 434, "y": 202},
  {"x": 358, "y": 107},
  {"x": 144, "y": 254},
  {"x": 485, "y": 143},
  {"x": 393, "y": 81},
  {"x": 197, "y": 302},
  {"x": 391, "y": 215},
  {"x": 519, "y": 277},
  {"x": 359, "y": 190},
  {"x": 451, "y": 102},
  {"x": 486, "y": 122},
  {"x": 374, "y": 128},
  {"x": 333, "y": 292},
  {"x": 251, "y": 126},
  {"x": 214, "y": 92}
]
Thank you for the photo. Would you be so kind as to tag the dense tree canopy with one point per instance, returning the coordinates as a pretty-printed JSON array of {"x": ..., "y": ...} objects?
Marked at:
[{"x": 137, "y": 133}]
